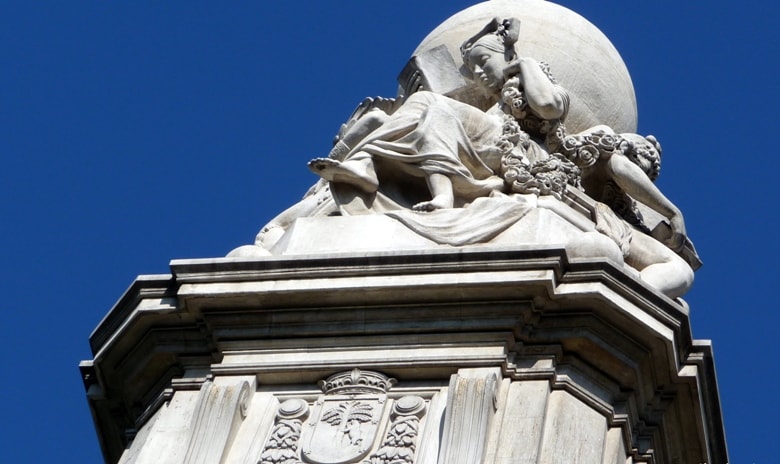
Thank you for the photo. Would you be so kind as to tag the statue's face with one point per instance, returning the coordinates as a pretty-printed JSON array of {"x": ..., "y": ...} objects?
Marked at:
[{"x": 487, "y": 66}]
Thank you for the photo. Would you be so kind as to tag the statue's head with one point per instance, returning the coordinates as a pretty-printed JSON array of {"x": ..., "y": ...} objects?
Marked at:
[
  {"x": 487, "y": 53},
  {"x": 644, "y": 151}
]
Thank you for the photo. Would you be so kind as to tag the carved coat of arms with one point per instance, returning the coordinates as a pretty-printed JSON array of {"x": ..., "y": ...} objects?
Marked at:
[
  {"x": 341, "y": 428},
  {"x": 346, "y": 423},
  {"x": 343, "y": 424}
]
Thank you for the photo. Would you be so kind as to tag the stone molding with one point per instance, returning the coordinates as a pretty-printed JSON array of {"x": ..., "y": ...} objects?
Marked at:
[
  {"x": 220, "y": 409},
  {"x": 583, "y": 334},
  {"x": 471, "y": 406}
]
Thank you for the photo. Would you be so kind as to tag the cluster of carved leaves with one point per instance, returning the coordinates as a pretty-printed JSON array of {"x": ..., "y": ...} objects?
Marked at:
[
  {"x": 282, "y": 446},
  {"x": 399, "y": 444}
]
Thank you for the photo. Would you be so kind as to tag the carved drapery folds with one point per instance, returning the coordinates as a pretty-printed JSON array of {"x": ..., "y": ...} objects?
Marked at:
[{"x": 431, "y": 157}]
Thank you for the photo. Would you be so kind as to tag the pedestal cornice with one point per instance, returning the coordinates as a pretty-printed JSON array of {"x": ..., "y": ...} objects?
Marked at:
[{"x": 584, "y": 327}]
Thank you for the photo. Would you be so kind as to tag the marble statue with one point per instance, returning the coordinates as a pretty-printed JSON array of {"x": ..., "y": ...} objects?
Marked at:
[
  {"x": 457, "y": 174},
  {"x": 456, "y": 148}
]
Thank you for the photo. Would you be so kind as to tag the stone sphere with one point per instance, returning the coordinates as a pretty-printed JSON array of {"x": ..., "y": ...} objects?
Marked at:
[{"x": 581, "y": 58}]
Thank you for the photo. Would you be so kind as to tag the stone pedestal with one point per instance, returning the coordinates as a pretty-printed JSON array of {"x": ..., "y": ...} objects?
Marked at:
[{"x": 436, "y": 356}]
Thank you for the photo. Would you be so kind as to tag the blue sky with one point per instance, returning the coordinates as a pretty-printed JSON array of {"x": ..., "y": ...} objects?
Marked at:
[{"x": 133, "y": 133}]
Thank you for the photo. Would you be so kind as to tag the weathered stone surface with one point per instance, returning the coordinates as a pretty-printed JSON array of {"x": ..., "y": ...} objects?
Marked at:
[
  {"x": 471, "y": 406},
  {"x": 218, "y": 415},
  {"x": 572, "y": 431},
  {"x": 526, "y": 403}
]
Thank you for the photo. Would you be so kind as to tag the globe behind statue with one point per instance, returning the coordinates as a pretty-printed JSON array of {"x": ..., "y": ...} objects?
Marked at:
[{"x": 581, "y": 58}]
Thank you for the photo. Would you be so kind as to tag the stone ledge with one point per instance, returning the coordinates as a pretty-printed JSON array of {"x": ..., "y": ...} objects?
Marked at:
[{"x": 586, "y": 327}]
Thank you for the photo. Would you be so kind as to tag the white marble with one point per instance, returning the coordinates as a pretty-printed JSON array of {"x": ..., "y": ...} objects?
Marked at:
[
  {"x": 464, "y": 163},
  {"x": 468, "y": 282}
]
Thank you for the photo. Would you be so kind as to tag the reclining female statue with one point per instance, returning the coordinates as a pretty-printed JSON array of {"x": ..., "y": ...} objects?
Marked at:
[
  {"x": 428, "y": 152},
  {"x": 455, "y": 148}
]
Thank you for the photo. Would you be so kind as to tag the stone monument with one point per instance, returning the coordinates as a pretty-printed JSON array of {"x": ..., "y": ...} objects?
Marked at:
[{"x": 484, "y": 273}]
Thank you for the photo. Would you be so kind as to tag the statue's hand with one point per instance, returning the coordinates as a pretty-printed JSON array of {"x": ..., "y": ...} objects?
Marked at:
[
  {"x": 515, "y": 68},
  {"x": 415, "y": 84},
  {"x": 676, "y": 241},
  {"x": 388, "y": 105}
]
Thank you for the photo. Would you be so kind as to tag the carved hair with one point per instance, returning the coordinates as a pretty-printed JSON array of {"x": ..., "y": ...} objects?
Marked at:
[
  {"x": 645, "y": 152},
  {"x": 498, "y": 35}
]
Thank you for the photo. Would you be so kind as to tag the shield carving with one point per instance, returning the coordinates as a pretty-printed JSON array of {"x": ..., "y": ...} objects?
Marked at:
[{"x": 342, "y": 429}]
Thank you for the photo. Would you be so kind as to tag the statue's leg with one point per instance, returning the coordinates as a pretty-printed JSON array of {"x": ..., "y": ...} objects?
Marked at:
[
  {"x": 475, "y": 188},
  {"x": 440, "y": 186},
  {"x": 357, "y": 171},
  {"x": 659, "y": 266},
  {"x": 364, "y": 126},
  {"x": 316, "y": 202}
]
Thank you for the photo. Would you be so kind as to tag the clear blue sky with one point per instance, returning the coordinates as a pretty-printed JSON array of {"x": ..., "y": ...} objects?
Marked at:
[{"x": 133, "y": 133}]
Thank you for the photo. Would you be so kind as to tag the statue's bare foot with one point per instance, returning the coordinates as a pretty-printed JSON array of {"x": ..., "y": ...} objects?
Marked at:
[
  {"x": 438, "y": 202},
  {"x": 353, "y": 173},
  {"x": 323, "y": 167}
]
